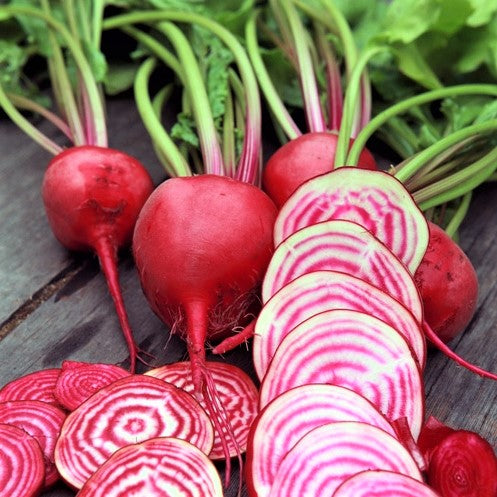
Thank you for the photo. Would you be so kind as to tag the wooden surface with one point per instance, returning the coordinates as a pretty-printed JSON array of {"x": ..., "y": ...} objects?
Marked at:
[{"x": 54, "y": 305}]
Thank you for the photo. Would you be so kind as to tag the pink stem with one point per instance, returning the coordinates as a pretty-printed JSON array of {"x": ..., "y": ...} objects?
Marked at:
[
  {"x": 235, "y": 340},
  {"x": 107, "y": 255},
  {"x": 437, "y": 342}
]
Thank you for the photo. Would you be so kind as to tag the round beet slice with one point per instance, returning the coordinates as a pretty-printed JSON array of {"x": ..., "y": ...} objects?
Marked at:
[
  {"x": 79, "y": 380},
  {"x": 320, "y": 291},
  {"x": 331, "y": 453},
  {"x": 22, "y": 470},
  {"x": 158, "y": 466},
  {"x": 354, "y": 350},
  {"x": 293, "y": 414},
  {"x": 127, "y": 411},
  {"x": 40, "y": 420},
  {"x": 373, "y": 199},
  {"x": 346, "y": 247},
  {"x": 379, "y": 483},
  {"x": 238, "y": 397}
]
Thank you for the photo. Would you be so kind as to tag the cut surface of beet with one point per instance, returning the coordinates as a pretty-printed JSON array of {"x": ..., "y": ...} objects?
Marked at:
[
  {"x": 39, "y": 385},
  {"x": 379, "y": 483},
  {"x": 130, "y": 410},
  {"x": 319, "y": 291},
  {"x": 373, "y": 199},
  {"x": 238, "y": 396},
  {"x": 290, "y": 416},
  {"x": 329, "y": 454},
  {"x": 22, "y": 470},
  {"x": 40, "y": 420},
  {"x": 353, "y": 350},
  {"x": 346, "y": 247},
  {"x": 161, "y": 466},
  {"x": 79, "y": 380}
]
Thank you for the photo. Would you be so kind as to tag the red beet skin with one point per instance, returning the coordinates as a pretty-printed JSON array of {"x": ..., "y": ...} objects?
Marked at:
[
  {"x": 299, "y": 160},
  {"x": 448, "y": 285}
]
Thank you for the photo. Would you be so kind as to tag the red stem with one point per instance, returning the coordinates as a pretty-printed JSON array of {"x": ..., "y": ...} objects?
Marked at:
[
  {"x": 440, "y": 345},
  {"x": 107, "y": 254},
  {"x": 233, "y": 341}
]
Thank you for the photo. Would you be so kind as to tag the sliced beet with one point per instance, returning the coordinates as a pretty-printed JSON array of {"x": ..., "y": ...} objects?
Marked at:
[
  {"x": 346, "y": 247},
  {"x": 290, "y": 416},
  {"x": 373, "y": 199},
  {"x": 320, "y": 291},
  {"x": 127, "y": 411},
  {"x": 380, "y": 483},
  {"x": 354, "y": 350},
  {"x": 158, "y": 466},
  {"x": 39, "y": 385},
  {"x": 329, "y": 454},
  {"x": 22, "y": 469},
  {"x": 40, "y": 420},
  {"x": 79, "y": 380},
  {"x": 463, "y": 464},
  {"x": 238, "y": 397}
]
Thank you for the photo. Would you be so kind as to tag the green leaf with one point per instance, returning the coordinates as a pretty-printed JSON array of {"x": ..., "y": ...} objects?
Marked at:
[
  {"x": 184, "y": 130},
  {"x": 483, "y": 11}
]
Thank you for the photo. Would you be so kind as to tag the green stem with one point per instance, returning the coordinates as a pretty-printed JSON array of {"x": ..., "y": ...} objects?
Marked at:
[
  {"x": 158, "y": 49},
  {"x": 96, "y": 22},
  {"x": 206, "y": 128},
  {"x": 350, "y": 105},
  {"x": 81, "y": 62},
  {"x": 23, "y": 124},
  {"x": 459, "y": 215},
  {"x": 405, "y": 105},
  {"x": 248, "y": 165},
  {"x": 418, "y": 161},
  {"x": 459, "y": 183},
  {"x": 177, "y": 165},
  {"x": 278, "y": 109},
  {"x": 305, "y": 70}
]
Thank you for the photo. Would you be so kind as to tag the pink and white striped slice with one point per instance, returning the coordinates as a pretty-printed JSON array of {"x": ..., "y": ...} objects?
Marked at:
[
  {"x": 40, "y": 420},
  {"x": 130, "y": 410},
  {"x": 373, "y": 199},
  {"x": 380, "y": 483},
  {"x": 159, "y": 466},
  {"x": 22, "y": 471},
  {"x": 79, "y": 380},
  {"x": 39, "y": 385},
  {"x": 293, "y": 414},
  {"x": 238, "y": 397},
  {"x": 319, "y": 291},
  {"x": 346, "y": 247},
  {"x": 329, "y": 454},
  {"x": 354, "y": 350}
]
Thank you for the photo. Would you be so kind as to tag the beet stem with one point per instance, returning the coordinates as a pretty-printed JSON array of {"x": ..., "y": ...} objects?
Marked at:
[
  {"x": 107, "y": 254},
  {"x": 233, "y": 341},
  {"x": 440, "y": 345}
]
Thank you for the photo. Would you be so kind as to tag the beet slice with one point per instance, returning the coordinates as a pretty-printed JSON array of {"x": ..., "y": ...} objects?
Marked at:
[
  {"x": 373, "y": 199},
  {"x": 40, "y": 420},
  {"x": 79, "y": 380},
  {"x": 158, "y": 466},
  {"x": 329, "y": 454},
  {"x": 290, "y": 416},
  {"x": 380, "y": 483},
  {"x": 127, "y": 411},
  {"x": 354, "y": 350},
  {"x": 238, "y": 397},
  {"x": 346, "y": 247},
  {"x": 320, "y": 291},
  {"x": 22, "y": 471},
  {"x": 39, "y": 385},
  {"x": 463, "y": 464}
]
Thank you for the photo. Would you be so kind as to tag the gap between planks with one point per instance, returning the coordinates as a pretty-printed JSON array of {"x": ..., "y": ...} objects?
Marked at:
[{"x": 38, "y": 298}]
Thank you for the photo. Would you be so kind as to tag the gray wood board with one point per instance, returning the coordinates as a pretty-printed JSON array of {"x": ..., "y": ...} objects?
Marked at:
[{"x": 77, "y": 320}]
